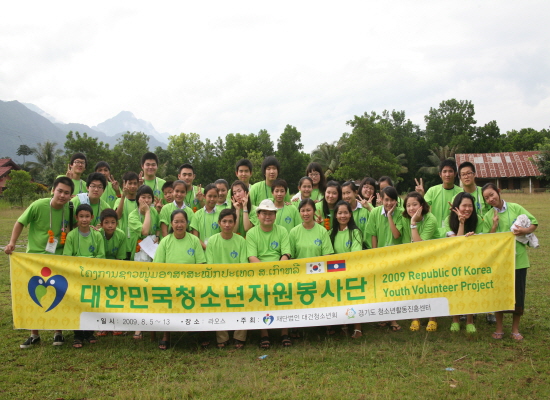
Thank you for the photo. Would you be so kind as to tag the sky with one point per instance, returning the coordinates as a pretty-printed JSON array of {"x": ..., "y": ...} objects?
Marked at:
[{"x": 221, "y": 67}]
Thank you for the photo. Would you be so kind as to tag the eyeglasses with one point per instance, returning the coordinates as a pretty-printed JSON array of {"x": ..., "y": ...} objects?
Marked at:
[
  {"x": 94, "y": 187},
  {"x": 314, "y": 174},
  {"x": 465, "y": 174},
  {"x": 78, "y": 162}
]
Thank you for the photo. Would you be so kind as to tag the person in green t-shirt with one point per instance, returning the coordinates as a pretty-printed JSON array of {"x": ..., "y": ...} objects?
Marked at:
[
  {"x": 383, "y": 182},
  {"x": 179, "y": 247},
  {"x": 247, "y": 217},
  {"x": 84, "y": 242},
  {"x": 48, "y": 222},
  {"x": 467, "y": 175},
  {"x": 126, "y": 204},
  {"x": 345, "y": 237},
  {"x": 309, "y": 239},
  {"x": 243, "y": 171},
  {"x": 268, "y": 242},
  {"x": 287, "y": 215},
  {"x": 439, "y": 196},
  {"x": 262, "y": 190},
  {"x": 95, "y": 184},
  {"x": 143, "y": 221},
  {"x": 195, "y": 194},
  {"x": 114, "y": 239},
  {"x": 325, "y": 207},
  {"x": 227, "y": 247},
  {"x": 305, "y": 186},
  {"x": 167, "y": 192},
  {"x": 318, "y": 183},
  {"x": 180, "y": 191},
  {"x": 367, "y": 193},
  {"x": 360, "y": 214},
  {"x": 75, "y": 169},
  {"x": 112, "y": 190},
  {"x": 423, "y": 226},
  {"x": 148, "y": 176},
  {"x": 224, "y": 201},
  {"x": 502, "y": 218},
  {"x": 205, "y": 221}
]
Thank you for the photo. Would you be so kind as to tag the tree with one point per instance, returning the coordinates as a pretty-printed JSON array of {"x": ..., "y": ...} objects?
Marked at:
[
  {"x": 542, "y": 160},
  {"x": 24, "y": 150},
  {"x": 128, "y": 151},
  {"x": 293, "y": 161},
  {"x": 185, "y": 148},
  {"x": 450, "y": 124},
  {"x": 20, "y": 187},
  {"x": 430, "y": 170},
  {"x": 44, "y": 169},
  {"x": 329, "y": 155},
  {"x": 368, "y": 152},
  {"x": 526, "y": 139},
  {"x": 93, "y": 149},
  {"x": 487, "y": 139}
]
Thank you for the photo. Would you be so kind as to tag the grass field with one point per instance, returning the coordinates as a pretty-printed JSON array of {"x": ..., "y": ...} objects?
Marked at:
[{"x": 380, "y": 365}]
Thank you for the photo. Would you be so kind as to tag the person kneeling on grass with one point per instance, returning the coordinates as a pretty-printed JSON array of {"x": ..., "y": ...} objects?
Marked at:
[{"x": 84, "y": 242}]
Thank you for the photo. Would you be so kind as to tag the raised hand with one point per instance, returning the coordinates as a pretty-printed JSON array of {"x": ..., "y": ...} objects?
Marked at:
[
  {"x": 236, "y": 203},
  {"x": 461, "y": 217},
  {"x": 199, "y": 195},
  {"x": 143, "y": 206},
  {"x": 378, "y": 199},
  {"x": 140, "y": 178},
  {"x": 417, "y": 217},
  {"x": 114, "y": 183},
  {"x": 69, "y": 174},
  {"x": 158, "y": 203},
  {"x": 419, "y": 186},
  {"x": 495, "y": 217},
  {"x": 318, "y": 217}
]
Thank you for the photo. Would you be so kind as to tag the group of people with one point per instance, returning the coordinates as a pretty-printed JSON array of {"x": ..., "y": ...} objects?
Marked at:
[{"x": 193, "y": 225}]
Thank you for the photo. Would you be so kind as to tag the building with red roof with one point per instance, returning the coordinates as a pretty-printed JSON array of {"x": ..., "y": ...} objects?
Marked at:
[
  {"x": 6, "y": 166},
  {"x": 509, "y": 171}
]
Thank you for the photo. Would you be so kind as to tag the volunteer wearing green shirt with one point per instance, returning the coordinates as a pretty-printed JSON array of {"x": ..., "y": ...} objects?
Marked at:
[
  {"x": 367, "y": 193},
  {"x": 268, "y": 242},
  {"x": 345, "y": 236},
  {"x": 246, "y": 212},
  {"x": 180, "y": 190},
  {"x": 467, "y": 175},
  {"x": 262, "y": 190},
  {"x": 149, "y": 166},
  {"x": 224, "y": 201},
  {"x": 143, "y": 221},
  {"x": 75, "y": 169},
  {"x": 95, "y": 184},
  {"x": 48, "y": 222},
  {"x": 501, "y": 219},
  {"x": 439, "y": 196},
  {"x": 114, "y": 239},
  {"x": 179, "y": 247},
  {"x": 309, "y": 239},
  {"x": 287, "y": 215},
  {"x": 385, "y": 221},
  {"x": 126, "y": 204},
  {"x": 112, "y": 190},
  {"x": 195, "y": 196},
  {"x": 305, "y": 186},
  {"x": 205, "y": 221},
  {"x": 227, "y": 247},
  {"x": 360, "y": 214},
  {"x": 325, "y": 208}
]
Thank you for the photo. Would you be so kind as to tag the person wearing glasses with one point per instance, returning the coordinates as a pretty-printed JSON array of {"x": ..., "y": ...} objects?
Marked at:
[
  {"x": 95, "y": 184},
  {"x": 75, "y": 169},
  {"x": 319, "y": 181},
  {"x": 467, "y": 175}
]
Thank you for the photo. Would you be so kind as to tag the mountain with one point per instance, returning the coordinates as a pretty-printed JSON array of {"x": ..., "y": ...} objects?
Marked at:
[
  {"x": 39, "y": 111},
  {"x": 123, "y": 122}
]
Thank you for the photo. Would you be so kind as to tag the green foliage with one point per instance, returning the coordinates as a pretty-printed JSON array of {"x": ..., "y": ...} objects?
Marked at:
[
  {"x": 329, "y": 154},
  {"x": 450, "y": 124},
  {"x": 293, "y": 160},
  {"x": 542, "y": 160},
  {"x": 19, "y": 187},
  {"x": 368, "y": 150},
  {"x": 93, "y": 149},
  {"x": 526, "y": 139},
  {"x": 185, "y": 148},
  {"x": 24, "y": 150},
  {"x": 48, "y": 157},
  {"x": 127, "y": 153}
]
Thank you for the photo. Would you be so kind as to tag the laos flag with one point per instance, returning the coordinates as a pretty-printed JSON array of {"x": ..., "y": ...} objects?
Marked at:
[{"x": 336, "y": 266}]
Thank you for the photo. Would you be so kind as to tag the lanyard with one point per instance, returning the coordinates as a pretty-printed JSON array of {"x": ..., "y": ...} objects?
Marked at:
[
  {"x": 507, "y": 215},
  {"x": 62, "y": 217}
]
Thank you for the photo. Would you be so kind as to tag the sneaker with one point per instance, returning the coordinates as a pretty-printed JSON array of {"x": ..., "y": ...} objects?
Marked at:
[
  {"x": 58, "y": 339},
  {"x": 29, "y": 342},
  {"x": 491, "y": 319}
]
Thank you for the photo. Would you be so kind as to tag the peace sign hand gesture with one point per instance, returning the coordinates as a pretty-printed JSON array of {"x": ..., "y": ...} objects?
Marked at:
[
  {"x": 114, "y": 183},
  {"x": 461, "y": 216},
  {"x": 318, "y": 218},
  {"x": 140, "y": 178},
  {"x": 199, "y": 195},
  {"x": 69, "y": 174},
  {"x": 236, "y": 203},
  {"x": 378, "y": 199},
  {"x": 419, "y": 186}
]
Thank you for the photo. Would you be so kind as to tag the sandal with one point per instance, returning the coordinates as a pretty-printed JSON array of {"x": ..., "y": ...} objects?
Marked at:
[
  {"x": 330, "y": 331},
  {"x": 91, "y": 339},
  {"x": 119, "y": 333},
  {"x": 432, "y": 326},
  {"x": 138, "y": 335},
  {"x": 239, "y": 344},
  {"x": 101, "y": 333},
  {"x": 205, "y": 343},
  {"x": 285, "y": 341},
  {"x": 222, "y": 344},
  {"x": 395, "y": 328},
  {"x": 383, "y": 324},
  {"x": 265, "y": 343},
  {"x": 497, "y": 335},
  {"x": 518, "y": 337},
  {"x": 295, "y": 334},
  {"x": 77, "y": 343},
  {"x": 455, "y": 327},
  {"x": 164, "y": 344},
  {"x": 471, "y": 329},
  {"x": 415, "y": 325},
  {"x": 356, "y": 334}
]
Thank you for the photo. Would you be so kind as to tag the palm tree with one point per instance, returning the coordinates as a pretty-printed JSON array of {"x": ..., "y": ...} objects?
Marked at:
[
  {"x": 45, "y": 154},
  {"x": 437, "y": 155},
  {"x": 328, "y": 155}
]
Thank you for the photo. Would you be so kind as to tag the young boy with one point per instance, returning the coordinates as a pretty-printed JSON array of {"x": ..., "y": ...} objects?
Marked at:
[
  {"x": 114, "y": 239},
  {"x": 195, "y": 196},
  {"x": 168, "y": 192},
  {"x": 95, "y": 184},
  {"x": 112, "y": 190},
  {"x": 467, "y": 175},
  {"x": 227, "y": 247},
  {"x": 205, "y": 220},
  {"x": 49, "y": 214},
  {"x": 287, "y": 216},
  {"x": 262, "y": 190},
  {"x": 143, "y": 221},
  {"x": 126, "y": 204},
  {"x": 149, "y": 166},
  {"x": 243, "y": 171},
  {"x": 84, "y": 242},
  {"x": 180, "y": 191},
  {"x": 75, "y": 169}
]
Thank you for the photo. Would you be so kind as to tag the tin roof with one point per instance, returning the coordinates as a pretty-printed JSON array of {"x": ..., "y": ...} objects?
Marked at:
[{"x": 502, "y": 165}]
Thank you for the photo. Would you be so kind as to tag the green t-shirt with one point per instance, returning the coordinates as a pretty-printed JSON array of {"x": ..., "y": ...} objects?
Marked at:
[
  {"x": 191, "y": 197},
  {"x": 115, "y": 247},
  {"x": 84, "y": 246},
  {"x": 288, "y": 217},
  {"x": 506, "y": 219},
  {"x": 481, "y": 206},
  {"x": 168, "y": 209},
  {"x": 427, "y": 228},
  {"x": 260, "y": 191},
  {"x": 267, "y": 246},
  {"x": 96, "y": 208},
  {"x": 220, "y": 207},
  {"x": 156, "y": 184},
  {"x": 135, "y": 223},
  {"x": 226, "y": 251},
  {"x": 129, "y": 206},
  {"x": 252, "y": 215},
  {"x": 379, "y": 226},
  {"x": 343, "y": 243},
  {"x": 109, "y": 195},
  {"x": 206, "y": 223},
  {"x": 180, "y": 251},
  {"x": 319, "y": 210},
  {"x": 447, "y": 228},
  {"x": 312, "y": 242},
  {"x": 438, "y": 198},
  {"x": 361, "y": 217},
  {"x": 37, "y": 217}
]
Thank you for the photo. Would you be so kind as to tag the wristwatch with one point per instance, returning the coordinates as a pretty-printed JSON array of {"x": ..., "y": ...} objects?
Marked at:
[{"x": 413, "y": 226}]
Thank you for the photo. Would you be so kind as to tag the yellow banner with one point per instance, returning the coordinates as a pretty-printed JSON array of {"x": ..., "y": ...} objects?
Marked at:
[{"x": 461, "y": 275}]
